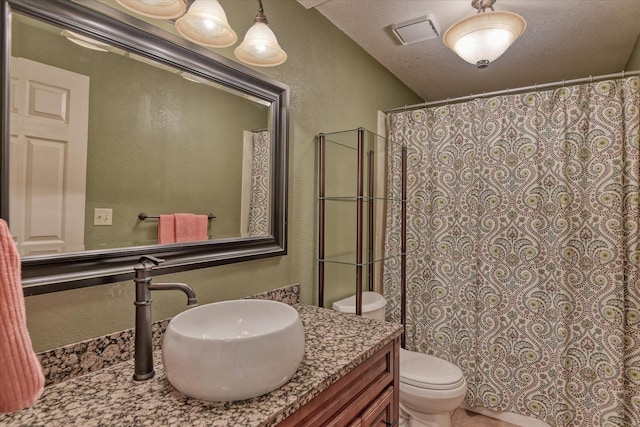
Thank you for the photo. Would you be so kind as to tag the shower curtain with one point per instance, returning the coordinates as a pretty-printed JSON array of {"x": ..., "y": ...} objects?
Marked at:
[
  {"x": 260, "y": 172},
  {"x": 523, "y": 249}
]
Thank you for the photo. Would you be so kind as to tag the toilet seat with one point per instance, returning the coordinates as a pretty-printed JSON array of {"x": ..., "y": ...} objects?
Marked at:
[{"x": 429, "y": 372}]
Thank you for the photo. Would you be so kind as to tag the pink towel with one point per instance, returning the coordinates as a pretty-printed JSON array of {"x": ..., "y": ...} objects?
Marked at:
[
  {"x": 202, "y": 227},
  {"x": 21, "y": 378},
  {"x": 185, "y": 227},
  {"x": 166, "y": 229},
  {"x": 191, "y": 228}
]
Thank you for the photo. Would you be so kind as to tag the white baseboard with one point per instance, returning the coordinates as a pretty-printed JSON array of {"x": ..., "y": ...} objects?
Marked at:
[{"x": 509, "y": 417}]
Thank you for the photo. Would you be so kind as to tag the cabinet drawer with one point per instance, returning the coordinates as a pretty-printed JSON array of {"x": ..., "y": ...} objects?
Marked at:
[
  {"x": 380, "y": 412},
  {"x": 344, "y": 402}
]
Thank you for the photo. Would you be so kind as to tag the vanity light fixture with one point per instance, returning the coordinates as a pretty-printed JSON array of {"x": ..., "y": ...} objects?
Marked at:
[
  {"x": 206, "y": 24},
  {"x": 159, "y": 9},
  {"x": 484, "y": 37},
  {"x": 260, "y": 46}
]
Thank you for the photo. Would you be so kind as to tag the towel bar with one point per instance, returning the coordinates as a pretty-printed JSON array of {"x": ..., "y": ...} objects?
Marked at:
[{"x": 142, "y": 216}]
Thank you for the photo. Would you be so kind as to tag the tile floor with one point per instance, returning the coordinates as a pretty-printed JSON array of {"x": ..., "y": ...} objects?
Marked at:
[{"x": 463, "y": 418}]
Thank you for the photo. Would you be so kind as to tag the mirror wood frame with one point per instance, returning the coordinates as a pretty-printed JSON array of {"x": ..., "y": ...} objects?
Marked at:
[{"x": 51, "y": 273}]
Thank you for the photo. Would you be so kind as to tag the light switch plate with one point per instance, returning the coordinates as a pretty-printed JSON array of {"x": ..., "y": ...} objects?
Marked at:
[{"x": 102, "y": 216}]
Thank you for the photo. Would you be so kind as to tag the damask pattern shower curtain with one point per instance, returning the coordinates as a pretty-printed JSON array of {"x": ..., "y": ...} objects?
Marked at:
[
  {"x": 523, "y": 249},
  {"x": 260, "y": 173}
]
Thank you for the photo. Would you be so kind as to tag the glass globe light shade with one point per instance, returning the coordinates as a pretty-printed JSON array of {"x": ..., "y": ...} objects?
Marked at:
[
  {"x": 260, "y": 47},
  {"x": 206, "y": 24},
  {"x": 159, "y": 9},
  {"x": 484, "y": 37}
]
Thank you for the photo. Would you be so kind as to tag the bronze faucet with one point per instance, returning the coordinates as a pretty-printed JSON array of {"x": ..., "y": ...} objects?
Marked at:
[{"x": 143, "y": 353}]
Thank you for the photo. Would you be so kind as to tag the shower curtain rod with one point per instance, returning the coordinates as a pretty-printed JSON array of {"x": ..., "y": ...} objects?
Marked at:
[{"x": 589, "y": 79}]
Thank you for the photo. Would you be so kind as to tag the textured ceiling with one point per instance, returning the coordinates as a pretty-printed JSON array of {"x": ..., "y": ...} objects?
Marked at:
[{"x": 565, "y": 39}]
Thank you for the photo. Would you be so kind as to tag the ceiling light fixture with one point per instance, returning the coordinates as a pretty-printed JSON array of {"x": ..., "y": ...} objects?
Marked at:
[
  {"x": 484, "y": 37},
  {"x": 260, "y": 46},
  {"x": 159, "y": 9}
]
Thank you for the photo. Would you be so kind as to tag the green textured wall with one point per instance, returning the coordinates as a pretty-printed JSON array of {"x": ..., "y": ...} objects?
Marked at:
[{"x": 335, "y": 85}]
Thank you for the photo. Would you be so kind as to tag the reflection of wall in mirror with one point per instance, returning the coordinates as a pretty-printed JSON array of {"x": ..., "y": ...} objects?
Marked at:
[{"x": 158, "y": 143}]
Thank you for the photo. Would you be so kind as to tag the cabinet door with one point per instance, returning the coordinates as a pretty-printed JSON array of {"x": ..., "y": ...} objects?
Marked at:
[{"x": 380, "y": 412}]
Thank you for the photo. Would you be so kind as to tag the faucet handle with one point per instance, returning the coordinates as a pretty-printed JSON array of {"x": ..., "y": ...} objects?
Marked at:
[
  {"x": 146, "y": 263},
  {"x": 154, "y": 260}
]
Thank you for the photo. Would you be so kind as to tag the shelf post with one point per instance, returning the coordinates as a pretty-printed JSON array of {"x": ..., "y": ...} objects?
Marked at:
[
  {"x": 403, "y": 248},
  {"x": 321, "y": 208},
  {"x": 359, "y": 221},
  {"x": 370, "y": 204}
]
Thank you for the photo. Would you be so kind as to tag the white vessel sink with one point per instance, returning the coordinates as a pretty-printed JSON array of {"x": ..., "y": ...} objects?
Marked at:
[{"x": 233, "y": 350}]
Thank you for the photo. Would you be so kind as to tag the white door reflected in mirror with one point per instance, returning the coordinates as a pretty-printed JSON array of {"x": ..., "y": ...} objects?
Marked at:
[{"x": 48, "y": 157}]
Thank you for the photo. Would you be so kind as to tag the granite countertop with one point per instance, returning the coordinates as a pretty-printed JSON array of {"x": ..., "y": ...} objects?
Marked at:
[{"x": 335, "y": 344}]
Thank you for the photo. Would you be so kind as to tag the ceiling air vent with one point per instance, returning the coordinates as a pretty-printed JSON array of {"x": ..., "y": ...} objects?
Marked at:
[{"x": 416, "y": 30}]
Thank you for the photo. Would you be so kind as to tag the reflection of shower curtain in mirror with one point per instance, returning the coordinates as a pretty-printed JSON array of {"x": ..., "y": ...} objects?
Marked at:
[
  {"x": 523, "y": 249},
  {"x": 259, "y": 199}
]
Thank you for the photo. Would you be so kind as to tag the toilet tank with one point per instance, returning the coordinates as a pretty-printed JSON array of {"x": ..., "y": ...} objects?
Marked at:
[{"x": 373, "y": 305}]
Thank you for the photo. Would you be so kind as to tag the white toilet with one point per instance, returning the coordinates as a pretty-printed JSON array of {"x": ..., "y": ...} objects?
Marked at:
[{"x": 430, "y": 388}]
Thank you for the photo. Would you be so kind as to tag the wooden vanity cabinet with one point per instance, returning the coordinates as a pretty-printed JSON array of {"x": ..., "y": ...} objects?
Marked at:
[{"x": 366, "y": 396}]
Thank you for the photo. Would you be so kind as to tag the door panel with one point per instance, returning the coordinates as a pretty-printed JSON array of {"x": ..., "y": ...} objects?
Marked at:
[{"x": 49, "y": 127}]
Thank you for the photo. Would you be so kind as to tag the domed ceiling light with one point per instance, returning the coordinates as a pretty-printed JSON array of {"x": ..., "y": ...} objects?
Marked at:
[
  {"x": 206, "y": 24},
  {"x": 159, "y": 9},
  {"x": 260, "y": 46},
  {"x": 484, "y": 37}
]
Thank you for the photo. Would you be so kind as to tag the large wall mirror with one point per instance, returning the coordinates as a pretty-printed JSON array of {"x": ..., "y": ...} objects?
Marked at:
[{"x": 121, "y": 139}]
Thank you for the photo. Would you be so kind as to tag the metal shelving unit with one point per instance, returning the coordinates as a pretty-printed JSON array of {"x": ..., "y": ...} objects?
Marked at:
[{"x": 352, "y": 204}]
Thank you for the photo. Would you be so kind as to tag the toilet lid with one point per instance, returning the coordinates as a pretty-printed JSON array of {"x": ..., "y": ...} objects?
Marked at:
[{"x": 429, "y": 372}]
